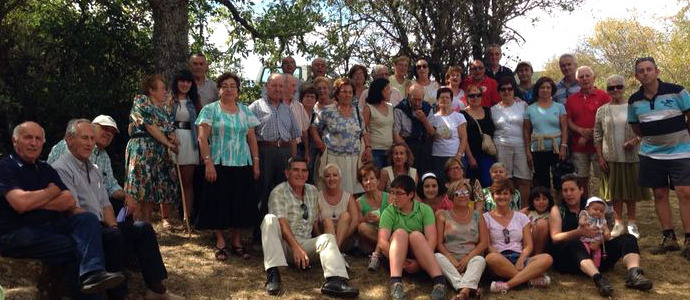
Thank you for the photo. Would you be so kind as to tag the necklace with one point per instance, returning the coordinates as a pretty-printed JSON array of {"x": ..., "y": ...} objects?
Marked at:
[{"x": 467, "y": 213}]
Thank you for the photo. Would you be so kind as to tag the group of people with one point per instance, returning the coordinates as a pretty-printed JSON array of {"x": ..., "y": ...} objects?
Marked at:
[{"x": 447, "y": 178}]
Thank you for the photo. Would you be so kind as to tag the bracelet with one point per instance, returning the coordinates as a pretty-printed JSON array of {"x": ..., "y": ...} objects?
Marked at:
[
  {"x": 255, "y": 158},
  {"x": 367, "y": 147},
  {"x": 564, "y": 145},
  {"x": 207, "y": 157}
]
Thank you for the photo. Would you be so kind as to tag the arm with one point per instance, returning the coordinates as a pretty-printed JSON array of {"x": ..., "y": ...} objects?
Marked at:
[
  {"x": 383, "y": 181},
  {"x": 354, "y": 212},
  {"x": 562, "y": 155},
  {"x": 555, "y": 223},
  {"x": 527, "y": 137},
  {"x": 527, "y": 246},
  {"x": 64, "y": 202},
  {"x": 318, "y": 142},
  {"x": 606, "y": 235},
  {"x": 440, "y": 228},
  {"x": 157, "y": 134},
  {"x": 24, "y": 201},
  {"x": 462, "y": 134},
  {"x": 384, "y": 240},
  {"x": 205, "y": 151},
  {"x": 254, "y": 150},
  {"x": 293, "y": 147},
  {"x": 109, "y": 216},
  {"x": 431, "y": 236}
]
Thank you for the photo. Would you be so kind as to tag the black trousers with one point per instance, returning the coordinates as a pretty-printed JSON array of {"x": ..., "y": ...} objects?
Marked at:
[
  {"x": 544, "y": 165},
  {"x": 421, "y": 150},
  {"x": 568, "y": 255}
]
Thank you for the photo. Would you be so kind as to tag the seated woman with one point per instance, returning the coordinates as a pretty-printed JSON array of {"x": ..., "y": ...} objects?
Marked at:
[
  {"x": 432, "y": 192},
  {"x": 498, "y": 172},
  {"x": 463, "y": 238},
  {"x": 409, "y": 224},
  {"x": 400, "y": 159},
  {"x": 455, "y": 173},
  {"x": 337, "y": 209},
  {"x": 539, "y": 202},
  {"x": 510, "y": 244},
  {"x": 369, "y": 208},
  {"x": 571, "y": 256}
]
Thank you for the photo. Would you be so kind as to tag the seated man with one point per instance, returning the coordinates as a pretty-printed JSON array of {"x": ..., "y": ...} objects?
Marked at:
[
  {"x": 83, "y": 178},
  {"x": 287, "y": 229},
  {"x": 409, "y": 224},
  {"x": 39, "y": 218}
]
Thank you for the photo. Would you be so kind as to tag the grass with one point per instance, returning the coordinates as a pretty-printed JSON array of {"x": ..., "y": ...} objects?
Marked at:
[{"x": 194, "y": 273}]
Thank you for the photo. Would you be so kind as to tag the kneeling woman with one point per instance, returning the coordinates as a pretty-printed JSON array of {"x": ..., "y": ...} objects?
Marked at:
[
  {"x": 571, "y": 256},
  {"x": 510, "y": 244}
]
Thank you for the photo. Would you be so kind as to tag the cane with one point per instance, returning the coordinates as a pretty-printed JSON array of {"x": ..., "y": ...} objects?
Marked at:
[{"x": 185, "y": 214}]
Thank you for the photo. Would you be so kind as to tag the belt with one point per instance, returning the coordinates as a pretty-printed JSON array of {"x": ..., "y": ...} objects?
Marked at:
[
  {"x": 278, "y": 144},
  {"x": 182, "y": 125}
]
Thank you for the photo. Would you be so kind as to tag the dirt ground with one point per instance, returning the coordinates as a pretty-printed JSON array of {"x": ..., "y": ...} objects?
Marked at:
[{"x": 194, "y": 273}]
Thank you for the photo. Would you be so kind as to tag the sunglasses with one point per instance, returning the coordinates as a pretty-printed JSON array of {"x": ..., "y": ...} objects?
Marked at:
[
  {"x": 506, "y": 89},
  {"x": 506, "y": 235},
  {"x": 612, "y": 88},
  {"x": 461, "y": 193},
  {"x": 479, "y": 95},
  {"x": 305, "y": 211},
  {"x": 422, "y": 66}
]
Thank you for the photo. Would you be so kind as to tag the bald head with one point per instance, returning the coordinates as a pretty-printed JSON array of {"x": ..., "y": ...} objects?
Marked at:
[
  {"x": 274, "y": 87},
  {"x": 416, "y": 95}
]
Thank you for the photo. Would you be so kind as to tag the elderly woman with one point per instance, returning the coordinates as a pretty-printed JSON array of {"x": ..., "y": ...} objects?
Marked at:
[
  {"x": 358, "y": 76},
  {"x": 478, "y": 122},
  {"x": 463, "y": 238},
  {"x": 400, "y": 160},
  {"x": 508, "y": 116},
  {"x": 545, "y": 132},
  {"x": 370, "y": 205},
  {"x": 151, "y": 177},
  {"x": 571, "y": 256},
  {"x": 453, "y": 80},
  {"x": 337, "y": 209},
  {"x": 323, "y": 91},
  {"x": 449, "y": 132},
  {"x": 455, "y": 173},
  {"x": 421, "y": 76},
  {"x": 343, "y": 130},
  {"x": 498, "y": 172},
  {"x": 617, "y": 147},
  {"x": 510, "y": 244},
  {"x": 378, "y": 118},
  {"x": 231, "y": 164}
]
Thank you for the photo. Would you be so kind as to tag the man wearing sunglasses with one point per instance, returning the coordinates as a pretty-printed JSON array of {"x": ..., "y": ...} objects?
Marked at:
[
  {"x": 486, "y": 84},
  {"x": 659, "y": 112},
  {"x": 581, "y": 108},
  {"x": 286, "y": 234}
]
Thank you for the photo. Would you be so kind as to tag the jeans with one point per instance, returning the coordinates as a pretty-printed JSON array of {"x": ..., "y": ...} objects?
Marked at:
[{"x": 380, "y": 158}]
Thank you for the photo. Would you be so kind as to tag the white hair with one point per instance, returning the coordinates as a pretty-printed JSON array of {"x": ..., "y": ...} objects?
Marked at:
[
  {"x": 71, "y": 130},
  {"x": 615, "y": 78},
  {"x": 577, "y": 72}
]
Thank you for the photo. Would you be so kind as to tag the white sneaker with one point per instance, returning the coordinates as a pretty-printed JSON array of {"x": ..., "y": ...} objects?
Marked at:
[
  {"x": 618, "y": 229},
  {"x": 632, "y": 229}
]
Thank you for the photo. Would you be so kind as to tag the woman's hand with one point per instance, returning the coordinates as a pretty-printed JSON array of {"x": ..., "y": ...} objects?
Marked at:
[
  {"x": 320, "y": 145},
  {"x": 472, "y": 162},
  {"x": 520, "y": 263},
  {"x": 210, "y": 175},
  {"x": 255, "y": 170},
  {"x": 563, "y": 154},
  {"x": 603, "y": 165},
  {"x": 588, "y": 231},
  {"x": 371, "y": 218},
  {"x": 367, "y": 155},
  {"x": 462, "y": 264},
  {"x": 530, "y": 161}
]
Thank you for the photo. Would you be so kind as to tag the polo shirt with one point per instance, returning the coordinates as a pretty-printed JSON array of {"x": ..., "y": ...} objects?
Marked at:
[
  {"x": 16, "y": 173},
  {"x": 662, "y": 121},
  {"x": 563, "y": 91},
  {"x": 422, "y": 215},
  {"x": 502, "y": 71},
  {"x": 582, "y": 110},
  {"x": 489, "y": 89}
]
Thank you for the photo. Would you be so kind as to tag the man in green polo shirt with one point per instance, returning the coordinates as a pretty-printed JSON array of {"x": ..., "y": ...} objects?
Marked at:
[{"x": 408, "y": 224}]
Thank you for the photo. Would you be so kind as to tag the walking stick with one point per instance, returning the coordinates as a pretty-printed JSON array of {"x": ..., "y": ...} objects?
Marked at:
[{"x": 185, "y": 213}]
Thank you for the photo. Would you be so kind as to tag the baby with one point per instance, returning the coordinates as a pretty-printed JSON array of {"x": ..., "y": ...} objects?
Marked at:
[{"x": 593, "y": 216}]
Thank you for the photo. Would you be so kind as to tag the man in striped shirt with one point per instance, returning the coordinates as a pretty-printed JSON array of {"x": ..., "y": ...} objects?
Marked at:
[{"x": 659, "y": 112}]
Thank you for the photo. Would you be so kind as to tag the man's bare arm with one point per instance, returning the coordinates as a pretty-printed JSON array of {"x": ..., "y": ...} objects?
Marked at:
[{"x": 23, "y": 201}]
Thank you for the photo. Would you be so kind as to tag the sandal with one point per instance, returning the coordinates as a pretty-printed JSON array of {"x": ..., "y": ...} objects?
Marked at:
[
  {"x": 240, "y": 252},
  {"x": 221, "y": 253}
]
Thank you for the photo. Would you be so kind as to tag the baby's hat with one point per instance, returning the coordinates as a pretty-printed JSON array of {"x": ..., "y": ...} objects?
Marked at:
[{"x": 594, "y": 199}]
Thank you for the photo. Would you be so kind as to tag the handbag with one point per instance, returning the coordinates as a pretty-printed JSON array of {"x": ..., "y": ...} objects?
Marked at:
[{"x": 488, "y": 145}]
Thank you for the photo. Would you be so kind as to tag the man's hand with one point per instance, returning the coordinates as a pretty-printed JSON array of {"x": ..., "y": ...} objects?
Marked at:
[
  {"x": 419, "y": 114},
  {"x": 132, "y": 205},
  {"x": 300, "y": 257}
]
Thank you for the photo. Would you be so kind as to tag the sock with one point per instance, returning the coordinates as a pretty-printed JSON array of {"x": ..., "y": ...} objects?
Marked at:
[
  {"x": 669, "y": 233},
  {"x": 396, "y": 279},
  {"x": 439, "y": 280},
  {"x": 596, "y": 277}
]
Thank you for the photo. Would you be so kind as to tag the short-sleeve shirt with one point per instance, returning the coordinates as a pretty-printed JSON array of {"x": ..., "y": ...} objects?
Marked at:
[
  {"x": 276, "y": 122},
  {"x": 84, "y": 182},
  {"x": 16, "y": 173},
  {"x": 340, "y": 134},
  {"x": 145, "y": 112},
  {"x": 228, "y": 139},
  {"x": 496, "y": 237},
  {"x": 503, "y": 71},
  {"x": 489, "y": 203},
  {"x": 662, "y": 121},
  {"x": 545, "y": 121},
  {"x": 284, "y": 204},
  {"x": 445, "y": 204},
  {"x": 582, "y": 110},
  {"x": 508, "y": 122},
  {"x": 399, "y": 87},
  {"x": 446, "y": 139},
  {"x": 207, "y": 92},
  {"x": 421, "y": 216},
  {"x": 489, "y": 88},
  {"x": 563, "y": 91},
  {"x": 98, "y": 156},
  {"x": 366, "y": 207}
]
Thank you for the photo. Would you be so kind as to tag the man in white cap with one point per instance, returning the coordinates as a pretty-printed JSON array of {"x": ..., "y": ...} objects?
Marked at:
[{"x": 106, "y": 129}]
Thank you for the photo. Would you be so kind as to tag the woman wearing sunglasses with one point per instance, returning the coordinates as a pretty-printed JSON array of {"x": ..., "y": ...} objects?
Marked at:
[
  {"x": 510, "y": 244},
  {"x": 479, "y": 122},
  {"x": 422, "y": 78}
]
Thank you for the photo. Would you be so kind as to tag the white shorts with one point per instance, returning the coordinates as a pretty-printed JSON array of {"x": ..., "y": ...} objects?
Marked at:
[{"x": 515, "y": 160}]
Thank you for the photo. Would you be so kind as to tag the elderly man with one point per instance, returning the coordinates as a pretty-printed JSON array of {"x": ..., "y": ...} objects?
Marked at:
[
  {"x": 83, "y": 178},
  {"x": 39, "y": 218},
  {"x": 381, "y": 71},
  {"x": 206, "y": 87},
  {"x": 493, "y": 69},
  {"x": 288, "y": 65},
  {"x": 286, "y": 234},
  {"x": 399, "y": 80},
  {"x": 568, "y": 85},
  {"x": 487, "y": 85},
  {"x": 524, "y": 72},
  {"x": 581, "y": 108},
  {"x": 319, "y": 67},
  {"x": 411, "y": 126},
  {"x": 106, "y": 129},
  {"x": 659, "y": 112},
  {"x": 290, "y": 98}
]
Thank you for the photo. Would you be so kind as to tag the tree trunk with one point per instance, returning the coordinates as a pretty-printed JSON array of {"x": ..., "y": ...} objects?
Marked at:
[{"x": 170, "y": 36}]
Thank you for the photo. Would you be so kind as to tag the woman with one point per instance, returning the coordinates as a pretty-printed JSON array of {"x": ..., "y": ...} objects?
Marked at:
[
  {"x": 453, "y": 80},
  {"x": 323, "y": 89},
  {"x": 570, "y": 255},
  {"x": 342, "y": 129},
  {"x": 463, "y": 238},
  {"x": 378, "y": 117},
  {"x": 508, "y": 116},
  {"x": 400, "y": 160},
  {"x": 185, "y": 109},
  {"x": 498, "y": 172},
  {"x": 308, "y": 98},
  {"x": 449, "y": 132},
  {"x": 151, "y": 176},
  {"x": 358, "y": 76},
  {"x": 545, "y": 131},
  {"x": 422, "y": 77},
  {"x": 455, "y": 173},
  {"x": 478, "y": 122},
  {"x": 510, "y": 244},
  {"x": 370, "y": 205},
  {"x": 228, "y": 146},
  {"x": 338, "y": 211},
  {"x": 431, "y": 191},
  {"x": 617, "y": 147}
]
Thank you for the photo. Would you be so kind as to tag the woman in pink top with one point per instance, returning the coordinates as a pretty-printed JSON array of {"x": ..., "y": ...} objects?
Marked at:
[{"x": 432, "y": 192}]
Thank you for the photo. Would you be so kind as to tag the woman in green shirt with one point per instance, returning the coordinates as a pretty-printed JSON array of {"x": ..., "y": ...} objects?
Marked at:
[{"x": 370, "y": 205}]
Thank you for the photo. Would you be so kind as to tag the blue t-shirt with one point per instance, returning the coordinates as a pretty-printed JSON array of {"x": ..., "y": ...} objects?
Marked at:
[{"x": 545, "y": 122}]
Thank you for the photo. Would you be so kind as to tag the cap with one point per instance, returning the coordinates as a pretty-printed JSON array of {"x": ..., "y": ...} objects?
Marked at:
[
  {"x": 104, "y": 120},
  {"x": 594, "y": 199},
  {"x": 524, "y": 62}
]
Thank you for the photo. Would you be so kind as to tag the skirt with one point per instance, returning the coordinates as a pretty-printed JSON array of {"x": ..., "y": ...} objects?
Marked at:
[
  {"x": 187, "y": 154},
  {"x": 229, "y": 202},
  {"x": 151, "y": 175},
  {"x": 621, "y": 183}
]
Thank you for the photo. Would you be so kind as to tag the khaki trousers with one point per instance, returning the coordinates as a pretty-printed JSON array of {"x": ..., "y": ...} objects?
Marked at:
[{"x": 469, "y": 279}]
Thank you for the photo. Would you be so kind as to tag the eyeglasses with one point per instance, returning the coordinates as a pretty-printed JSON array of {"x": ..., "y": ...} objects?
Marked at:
[
  {"x": 398, "y": 193},
  {"x": 506, "y": 89},
  {"x": 611, "y": 88},
  {"x": 479, "y": 95},
  {"x": 422, "y": 66},
  {"x": 461, "y": 193},
  {"x": 305, "y": 211},
  {"x": 506, "y": 235}
]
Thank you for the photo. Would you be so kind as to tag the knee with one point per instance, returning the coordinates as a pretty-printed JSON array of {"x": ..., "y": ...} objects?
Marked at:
[
  {"x": 479, "y": 260},
  {"x": 325, "y": 240},
  {"x": 363, "y": 227},
  {"x": 416, "y": 236},
  {"x": 492, "y": 258},
  {"x": 400, "y": 234},
  {"x": 86, "y": 219},
  {"x": 543, "y": 225},
  {"x": 270, "y": 220}
]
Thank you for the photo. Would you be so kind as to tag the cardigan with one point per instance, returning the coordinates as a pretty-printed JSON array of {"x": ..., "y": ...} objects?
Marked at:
[{"x": 603, "y": 136}]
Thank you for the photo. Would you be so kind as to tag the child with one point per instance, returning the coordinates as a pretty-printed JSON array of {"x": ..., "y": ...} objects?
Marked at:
[
  {"x": 540, "y": 202},
  {"x": 593, "y": 216}
]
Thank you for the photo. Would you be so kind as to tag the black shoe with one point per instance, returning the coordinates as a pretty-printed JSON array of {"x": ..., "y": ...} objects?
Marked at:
[
  {"x": 604, "y": 286},
  {"x": 272, "y": 281},
  {"x": 98, "y": 281},
  {"x": 636, "y": 280},
  {"x": 338, "y": 287},
  {"x": 438, "y": 292},
  {"x": 667, "y": 244},
  {"x": 686, "y": 249}
]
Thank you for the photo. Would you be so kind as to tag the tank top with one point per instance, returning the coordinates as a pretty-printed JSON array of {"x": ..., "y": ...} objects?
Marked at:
[
  {"x": 412, "y": 172},
  {"x": 460, "y": 238},
  {"x": 366, "y": 208},
  {"x": 182, "y": 114},
  {"x": 326, "y": 210},
  {"x": 381, "y": 128}
]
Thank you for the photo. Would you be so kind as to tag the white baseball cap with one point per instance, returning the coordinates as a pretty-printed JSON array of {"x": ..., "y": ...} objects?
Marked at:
[
  {"x": 595, "y": 199},
  {"x": 105, "y": 120}
]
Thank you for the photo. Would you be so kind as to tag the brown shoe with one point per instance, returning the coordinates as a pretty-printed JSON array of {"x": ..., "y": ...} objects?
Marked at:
[{"x": 667, "y": 244}]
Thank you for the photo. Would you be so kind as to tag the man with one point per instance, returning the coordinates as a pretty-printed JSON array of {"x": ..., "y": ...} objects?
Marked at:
[
  {"x": 524, "y": 73},
  {"x": 319, "y": 67},
  {"x": 83, "y": 178},
  {"x": 399, "y": 80},
  {"x": 289, "y": 95},
  {"x": 39, "y": 218},
  {"x": 381, "y": 71},
  {"x": 286, "y": 234},
  {"x": 106, "y": 129},
  {"x": 276, "y": 136},
  {"x": 568, "y": 85},
  {"x": 206, "y": 87},
  {"x": 487, "y": 85},
  {"x": 411, "y": 126},
  {"x": 288, "y": 65},
  {"x": 659, "y": 112},
  {"x": 582, "y": 110},
  {"x": 493, "y": 69}
]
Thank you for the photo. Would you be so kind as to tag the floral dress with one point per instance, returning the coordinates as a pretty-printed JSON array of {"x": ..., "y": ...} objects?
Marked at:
[{"x": 151, "y": 175}]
